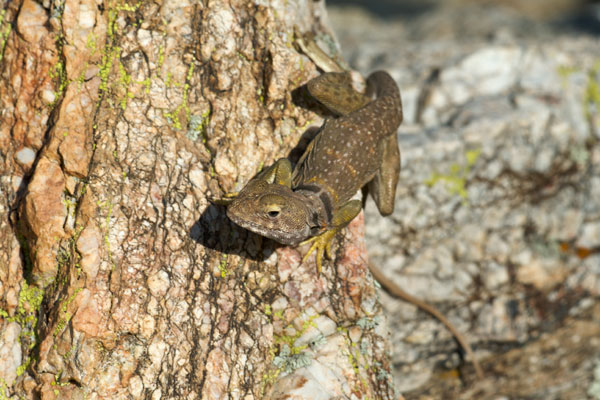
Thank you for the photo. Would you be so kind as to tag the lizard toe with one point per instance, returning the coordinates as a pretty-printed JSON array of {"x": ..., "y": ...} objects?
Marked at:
[{"x": 322, "y": 245}]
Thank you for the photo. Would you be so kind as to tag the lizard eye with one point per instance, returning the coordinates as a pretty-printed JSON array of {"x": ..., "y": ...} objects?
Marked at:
[{"x": 273, "y": 211}]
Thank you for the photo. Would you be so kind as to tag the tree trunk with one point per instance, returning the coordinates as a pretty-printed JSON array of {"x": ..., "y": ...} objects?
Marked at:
[{"x": 118, "y": 278}]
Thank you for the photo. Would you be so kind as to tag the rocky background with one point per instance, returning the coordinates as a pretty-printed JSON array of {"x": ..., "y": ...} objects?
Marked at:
[{"x": 497, "y": 219}]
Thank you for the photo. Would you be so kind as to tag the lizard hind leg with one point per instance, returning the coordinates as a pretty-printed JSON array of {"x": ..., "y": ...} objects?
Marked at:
[
  {"x": 383, "y": 185},
  {"x": 322, "y": 243}
]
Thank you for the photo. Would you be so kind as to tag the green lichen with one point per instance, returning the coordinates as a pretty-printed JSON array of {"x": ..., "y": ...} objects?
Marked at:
[
  {"x": 58, "y": 74},
  {"x": 260, "y": 94},
  {"x": 30, "y": 301},
  {"x": 170, "y": 82},
  {"x": 3, "y": 388},
  {"x": 91, "y": 45},
  {"x": 112, "y": 52},
  {"x": 591, "y": 94},
  {"x": 65, "y": 315},
  {"x": 57, "y": 382},
  {"x": 146, "y": 83},
  {"x": 288, "y": 362},
  {"x": 129, "y": 7},
  {"x": 290, "y": 356},
  {"x": 161, "y": 58},
  {"x": 198, "y": 126},
  {"x": 354, "y": 356},
  {"x": 223, "y": 266},
  {"x": 592, "y": 91},
  {"x": 456, "y": 180},
  {"x": 173, "y": 116},
  {"x": 109, "y": 56},
  {"x": 23, "y": 367},
  {"x": 4, "y": 32},
  {"x": 124, "y": 82},
  {"x": 70, "y": 203},
  {"x": 564, "y": 71},
  {"x": 368, "y": 323},
  {"x": 290, "y": 341}
]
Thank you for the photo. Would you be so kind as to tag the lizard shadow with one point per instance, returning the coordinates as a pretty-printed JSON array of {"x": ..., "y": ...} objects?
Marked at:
[{"x": 214, "y": 230}]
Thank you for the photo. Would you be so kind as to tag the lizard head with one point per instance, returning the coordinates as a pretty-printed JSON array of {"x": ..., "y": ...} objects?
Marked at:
[{"x": 274, "y": 211}]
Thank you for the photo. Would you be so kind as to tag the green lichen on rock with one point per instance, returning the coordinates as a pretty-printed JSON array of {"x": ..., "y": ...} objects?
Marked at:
[
  {"x": 197, "y": 127},
  {"x": 112, "y": 53},
  {"x": 174, "y": 116},
  {"x": 4, "y": 32},
  {"x": 65, "y": 315},
  {"x": 456, "y": 180},
  {"x": 290, "y": 355},
  {"x": 591, "y": 94},
  {"x": 30, "y": 300},
  {"x": 592, "y": 91},
  {"x": 26, "y": 315}
]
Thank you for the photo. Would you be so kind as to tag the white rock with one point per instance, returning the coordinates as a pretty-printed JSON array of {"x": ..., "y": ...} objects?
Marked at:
[
  {"x": 25, "y": 156},
  {"x": 494, "y": 276},
  {"x": 590, "y": 235},
  {"x": 10, "y": 352},
  {"x": 158, "y": 283},
  {"x": 489, "y": 71}
]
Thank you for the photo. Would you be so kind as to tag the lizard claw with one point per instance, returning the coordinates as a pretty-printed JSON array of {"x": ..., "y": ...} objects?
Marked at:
[{"x": 322, "y": 244}]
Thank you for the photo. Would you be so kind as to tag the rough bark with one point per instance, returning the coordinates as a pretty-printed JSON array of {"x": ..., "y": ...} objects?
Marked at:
[{"x": 118, "y": 278}]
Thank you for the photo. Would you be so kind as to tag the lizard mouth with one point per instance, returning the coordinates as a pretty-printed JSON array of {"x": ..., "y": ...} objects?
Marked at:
[{"x": 279, "y": 235}]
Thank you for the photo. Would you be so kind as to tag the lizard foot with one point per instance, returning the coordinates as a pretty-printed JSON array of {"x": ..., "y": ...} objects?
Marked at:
[{"x": 322, "y": 244}]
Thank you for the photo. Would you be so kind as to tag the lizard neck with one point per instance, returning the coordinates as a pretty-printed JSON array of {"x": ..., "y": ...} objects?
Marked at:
[{"x": 319, "y": 200}]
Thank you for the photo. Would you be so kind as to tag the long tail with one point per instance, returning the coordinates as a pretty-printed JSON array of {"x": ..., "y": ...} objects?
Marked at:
[{"x": 397, "y": 291}]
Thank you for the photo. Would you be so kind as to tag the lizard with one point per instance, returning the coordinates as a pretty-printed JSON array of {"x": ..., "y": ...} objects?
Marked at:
[{"x": 312, "y": 202}]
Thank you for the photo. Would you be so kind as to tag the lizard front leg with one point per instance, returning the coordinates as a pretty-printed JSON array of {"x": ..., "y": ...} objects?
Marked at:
[
  {"x": 322, "y": 243},
  {"x": 280, "y": 173}
]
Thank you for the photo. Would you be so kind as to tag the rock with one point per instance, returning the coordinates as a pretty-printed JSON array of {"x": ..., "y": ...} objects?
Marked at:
[
  {"x": 494, "y": 196},
  {"x": 31, "y": 21},
  {"x": 10, "y": 353},
  {"x": 46, "y": 215},
  {"x": 25, "y": 156}
]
